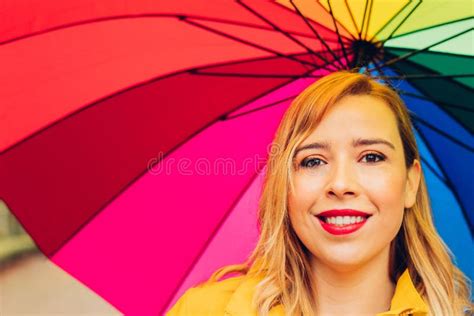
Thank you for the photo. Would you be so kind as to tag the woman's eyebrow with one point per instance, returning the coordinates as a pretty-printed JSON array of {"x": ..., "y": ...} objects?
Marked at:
[
  {"x": 371, "y": 141},
  {"x": 315, "y": 145},
  {"x": 355, "y": 143}
]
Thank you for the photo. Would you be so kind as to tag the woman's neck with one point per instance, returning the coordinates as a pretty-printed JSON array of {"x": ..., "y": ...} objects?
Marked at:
[{"x": 362, "y": 290}]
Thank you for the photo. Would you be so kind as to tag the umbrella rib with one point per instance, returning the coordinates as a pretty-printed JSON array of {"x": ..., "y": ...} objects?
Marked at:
[
  {"x": 399, "y": 25},
  {"x": 442, "y": 133},
  {"x": 431, "y": 52},
  {"x": 318, "y": 2},
  {"x": 247, "y": 25},
  {"x": 368, "y": 19},
  {"x": 384, "y": 76},
  {"x": 363, "y": 19},
  {"x": 203, "y": 70},
  {"x": 352, "y": 16},
  {"x": 322, "y": 25},
  {"x": 249, "y": 43},
  {"x": 424, "y": 69},
  {"x": 413, "y": 95},
  {"x": 429, "y": 76},
  {"x": 210, "y": 239},
  {"x": 408, "y": 55},
  {"x": 227, "y": 118},
  {"x": 228, "y": 74},
  {"x": 448, "y": 182},
  {"x": 452, "y": 82},
  {"x": 375, "y": 60},
  {"x": 242, "y": 61},
  {"x": 308, "y": 49},
  {"x": 426, "y": 123},
  {"x": 433, "y": 170},
  {"x": 432, "y": 27},
  {"x": 317, "y": 34},
  {"x": 266, "y": 105},
  {"x": 389, "y": 21},
  {"x": 338, "y": 34},
  {"x": 134, "y": 16}
]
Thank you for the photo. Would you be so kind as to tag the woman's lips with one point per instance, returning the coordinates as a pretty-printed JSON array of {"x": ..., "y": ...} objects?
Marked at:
[
  {"x": 341, "y": 229},
  {"x": 343, "y": 212}
]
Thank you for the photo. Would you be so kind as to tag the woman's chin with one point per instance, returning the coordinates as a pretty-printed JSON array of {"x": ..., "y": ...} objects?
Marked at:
[{"x": 343, "y": 259}]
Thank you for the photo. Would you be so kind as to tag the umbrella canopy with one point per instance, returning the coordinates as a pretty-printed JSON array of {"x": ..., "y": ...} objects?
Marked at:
[{"x": 134, "y": 135}]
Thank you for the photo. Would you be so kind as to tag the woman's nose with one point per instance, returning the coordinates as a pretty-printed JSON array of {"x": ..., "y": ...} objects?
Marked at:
[{"x": 342, "y": 181}]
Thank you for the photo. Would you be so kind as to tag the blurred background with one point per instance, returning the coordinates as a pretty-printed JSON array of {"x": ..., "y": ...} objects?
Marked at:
[{"x": 32, "y": 285}]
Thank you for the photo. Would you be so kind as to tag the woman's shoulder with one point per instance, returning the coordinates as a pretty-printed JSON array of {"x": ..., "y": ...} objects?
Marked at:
[{"x": 206, "y": 299}]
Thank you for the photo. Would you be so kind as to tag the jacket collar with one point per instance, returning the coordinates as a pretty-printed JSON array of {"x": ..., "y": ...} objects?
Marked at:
[{"x": 405, "y": 299}]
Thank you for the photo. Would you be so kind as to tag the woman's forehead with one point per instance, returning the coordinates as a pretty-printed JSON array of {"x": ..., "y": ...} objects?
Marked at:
[{"x": 356, "y": 121}]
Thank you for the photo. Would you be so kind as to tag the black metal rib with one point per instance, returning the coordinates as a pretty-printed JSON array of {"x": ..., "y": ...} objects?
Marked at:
[
  {"x": 429, "y": 76},
  {"x": 261, "y": 17},
  {"x": 338, "y": 34},
  {"x": 403, "y": 92},
  {"x": 432, "y": 27},
  {"x": 250, "y": 75},
  {"x": 443, "y": 133},
  {"x": 425, "y": 69},
  {"x": 454, "y": 106},
  {"x": 249, "y": 43},
  {"x": 379, "y": 69},
  {"x": 448, "y": 182},
  {"x": 400, "y": 24},
  {"x": 408, "y": 55},
  {"x": 363, "y": 19},
  {"x": 336, "y": 58},
  {"x": 434, "y": 171},
  {"x": 132, "y": 16},
  {"x": 368, "y": 19},
  {"x": 389, "y": 21},
  {"x": 352, "y": 16},
  {"x": 454, "y": 82},
  {"x": 320, "y": 25},
  {"x": 262, "y": 107}
]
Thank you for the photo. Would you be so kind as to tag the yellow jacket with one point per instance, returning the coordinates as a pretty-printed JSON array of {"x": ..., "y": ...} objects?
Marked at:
[{"x": 233, "y": 296}]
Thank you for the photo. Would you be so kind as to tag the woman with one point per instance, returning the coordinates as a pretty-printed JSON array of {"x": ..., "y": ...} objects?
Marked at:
[{"x": 345, "y": 220}]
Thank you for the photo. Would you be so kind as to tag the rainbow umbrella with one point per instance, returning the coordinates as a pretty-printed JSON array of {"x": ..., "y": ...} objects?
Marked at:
[{"x": 134, "y": 135}]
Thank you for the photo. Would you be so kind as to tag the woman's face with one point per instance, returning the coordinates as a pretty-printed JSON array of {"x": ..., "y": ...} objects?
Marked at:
[{"x": 352, "y": 172}]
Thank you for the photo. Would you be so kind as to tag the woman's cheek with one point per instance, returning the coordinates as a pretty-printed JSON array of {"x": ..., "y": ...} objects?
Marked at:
[
  {"x": 385, "y": 190},
  {"x": 307, "y": 190}
]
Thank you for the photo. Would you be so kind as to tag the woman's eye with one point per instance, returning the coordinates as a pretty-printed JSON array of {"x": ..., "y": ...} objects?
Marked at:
[
  {"x": 310, "y": 162},
  {"x": 373, "y": 157}
]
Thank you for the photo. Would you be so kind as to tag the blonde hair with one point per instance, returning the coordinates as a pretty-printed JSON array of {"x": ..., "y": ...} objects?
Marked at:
[{"x": 282, "y": 260}]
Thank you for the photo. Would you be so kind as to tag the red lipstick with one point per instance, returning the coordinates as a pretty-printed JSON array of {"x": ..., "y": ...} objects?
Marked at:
[
  {"x": 331, "y": 221},
  {"x": 344, "y": 212}
]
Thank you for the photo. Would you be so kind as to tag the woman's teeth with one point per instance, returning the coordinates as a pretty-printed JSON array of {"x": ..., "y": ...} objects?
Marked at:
[{"x": 344, "y": 220}]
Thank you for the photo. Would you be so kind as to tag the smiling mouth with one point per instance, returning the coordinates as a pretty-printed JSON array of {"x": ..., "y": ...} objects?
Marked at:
[
  {"x": 340, "y": 221},
  {"x": 342, "y": 225}
]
